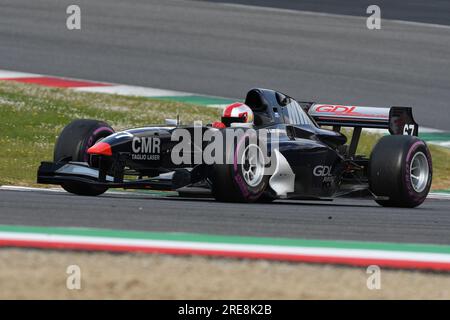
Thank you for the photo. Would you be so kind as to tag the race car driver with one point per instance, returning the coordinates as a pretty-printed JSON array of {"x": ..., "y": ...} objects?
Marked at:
[{"x": 237, "y": 112}]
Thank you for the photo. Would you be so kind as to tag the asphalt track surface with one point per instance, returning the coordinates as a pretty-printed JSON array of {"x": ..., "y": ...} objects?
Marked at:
[
  {"x": 222, "y": 49},
  {"x": 338, "y": 220},
  {"x": 435, "y": 11}
]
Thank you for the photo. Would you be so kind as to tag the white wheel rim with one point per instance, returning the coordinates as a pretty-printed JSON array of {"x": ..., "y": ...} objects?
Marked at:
[
  {"x": 419, "y": 172},
  {"x": 252, "y": 165}
]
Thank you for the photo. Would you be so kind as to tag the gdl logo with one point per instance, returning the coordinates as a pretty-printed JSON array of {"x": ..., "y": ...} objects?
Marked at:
[{"x": 322, "y": 171}]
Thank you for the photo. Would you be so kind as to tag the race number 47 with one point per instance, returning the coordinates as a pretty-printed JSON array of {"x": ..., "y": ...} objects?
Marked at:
[{"x": 408, "y": 130}]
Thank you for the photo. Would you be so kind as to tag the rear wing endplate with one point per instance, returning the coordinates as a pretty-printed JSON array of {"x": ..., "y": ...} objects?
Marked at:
[{"x": 398, "y": 120}]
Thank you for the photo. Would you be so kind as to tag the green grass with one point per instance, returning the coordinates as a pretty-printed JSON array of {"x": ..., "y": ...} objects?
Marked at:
[{"x": 32, "y": 117}]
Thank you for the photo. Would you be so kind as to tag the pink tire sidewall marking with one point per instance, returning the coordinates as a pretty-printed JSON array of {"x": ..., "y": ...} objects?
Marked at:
[
  {"x": 243, "y": 187},
  {"x": 406, "y": 176},
  {"x": 94, "y": 138}
]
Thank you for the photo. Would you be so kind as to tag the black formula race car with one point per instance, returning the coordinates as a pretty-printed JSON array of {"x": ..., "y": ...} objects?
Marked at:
[{"x": 305, "y": 157}]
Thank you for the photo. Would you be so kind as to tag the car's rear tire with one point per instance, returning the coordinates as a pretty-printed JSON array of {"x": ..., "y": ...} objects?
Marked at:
[
  {"x": 241, "y": 181},
  {"x": 72, "y": 144},
  {"x": 401, "y": 169}
]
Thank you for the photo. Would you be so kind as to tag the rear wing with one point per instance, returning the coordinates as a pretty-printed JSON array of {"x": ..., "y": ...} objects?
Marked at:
[{"x": 398, "y": 120}]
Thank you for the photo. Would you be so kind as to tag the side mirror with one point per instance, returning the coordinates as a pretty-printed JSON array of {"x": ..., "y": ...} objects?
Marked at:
[
  {"x": 282, "y": 99},
  {"x": 171, "y": 122}
]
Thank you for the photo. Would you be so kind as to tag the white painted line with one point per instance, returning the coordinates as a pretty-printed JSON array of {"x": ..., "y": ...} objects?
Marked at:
[
  {"x": 439, "y": 196},
  {"x": 34, "y": 189},
  {"x": 228, "y": 247},
  {"x": 218, "y": 106},
  {"x": 431, "y": 195},
  {"x": 445, "y": 144},
  {"x": 429, "y": 130},
  {"x": 126, "y": 90},
  {"x": 61, "y": 190},
  {"x": 386, "y": 131},
  {"x": 114, "y": 88},
  {"x": 5, "y": 74}
]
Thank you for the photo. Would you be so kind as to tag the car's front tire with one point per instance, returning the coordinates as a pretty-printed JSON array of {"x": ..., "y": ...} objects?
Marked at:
[
  {"x": 401, "y": 169},
  {"x": 244, "y": 180},
  {"x": 73, "y": 142}
]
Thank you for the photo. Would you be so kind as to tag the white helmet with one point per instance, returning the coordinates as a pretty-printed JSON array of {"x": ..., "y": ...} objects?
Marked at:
[{"x": 237, "y": 112}]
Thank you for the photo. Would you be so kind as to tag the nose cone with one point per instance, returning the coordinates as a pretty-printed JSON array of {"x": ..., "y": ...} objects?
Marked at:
[{"x": 100, "y": 148}]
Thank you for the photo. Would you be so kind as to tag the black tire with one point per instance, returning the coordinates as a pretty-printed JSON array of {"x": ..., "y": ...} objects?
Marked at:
[
  {"x": 267, "y": 197},
  {"x": 390, "y": 171},
  {"x": 229, "y": 183},
  {"x": 73, "y": 143},
  {"x": 83, "y": 189}
]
